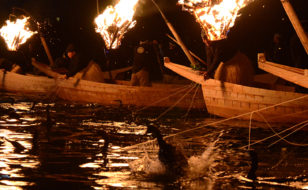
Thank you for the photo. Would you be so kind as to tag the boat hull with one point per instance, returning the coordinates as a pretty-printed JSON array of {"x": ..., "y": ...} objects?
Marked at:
[
  {"x": 121, "y": 93},
  {"x": 26, "y": 84},
  {"x": 243, "y": 102}
]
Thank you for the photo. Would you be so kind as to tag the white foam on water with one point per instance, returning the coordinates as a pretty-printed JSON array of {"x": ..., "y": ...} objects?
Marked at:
[
  {"x": 147, "y": 166},
  {"x": 201, "y": 165}
]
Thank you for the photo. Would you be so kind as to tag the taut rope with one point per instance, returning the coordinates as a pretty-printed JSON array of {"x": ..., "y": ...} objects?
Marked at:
[{"x": 221, "y": 121}]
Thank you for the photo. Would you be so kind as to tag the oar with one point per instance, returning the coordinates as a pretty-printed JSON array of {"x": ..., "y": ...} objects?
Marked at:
[
  {"x": 115, "y": 72},
  {"x": 83, "y": 73},
  {"x": 46, "y": 69}
]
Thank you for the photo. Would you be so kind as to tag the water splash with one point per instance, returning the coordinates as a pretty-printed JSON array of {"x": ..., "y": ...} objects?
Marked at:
[
  {"x": 147, "y": 166},
  {"x": 202, "y": 165},
  {"x": 199, "y": 166}
]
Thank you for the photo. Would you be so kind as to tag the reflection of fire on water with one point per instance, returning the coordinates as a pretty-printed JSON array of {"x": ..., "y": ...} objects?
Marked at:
[
  {"x": 215, "y": 18},
  {"x": 114, "y": 22},
  {"x": 16, "y": 33}
]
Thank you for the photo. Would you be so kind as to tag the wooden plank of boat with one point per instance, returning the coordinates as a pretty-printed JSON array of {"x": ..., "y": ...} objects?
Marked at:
[
  {"x": 292, "y": 74},
  {"x": 160, "y": 95},
  {"x": 15, "y": 82},
  {"x": 232, "y": 100}
]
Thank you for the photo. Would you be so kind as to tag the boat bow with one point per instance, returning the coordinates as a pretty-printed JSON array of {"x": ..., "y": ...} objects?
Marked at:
[
  {"x": 184, "y": 71},
  {"x": 292, "y": 74}
]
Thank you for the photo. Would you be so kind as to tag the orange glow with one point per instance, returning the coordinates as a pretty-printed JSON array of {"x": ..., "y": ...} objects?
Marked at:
[
  {"x": 16, "y": 33},
  {"x": 114, "y": 22},
  {"x": 215, "y": 19}
]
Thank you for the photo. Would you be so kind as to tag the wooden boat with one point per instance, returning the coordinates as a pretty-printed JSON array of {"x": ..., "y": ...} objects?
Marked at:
[
  {"x": 160, "y": 95},
  {"x": 243, "y": 102},
  {"x": 292, "y": 74},
  {"x": 25, "y": 84}
]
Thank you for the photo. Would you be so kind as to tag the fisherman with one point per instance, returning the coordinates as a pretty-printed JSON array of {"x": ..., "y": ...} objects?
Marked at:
[
  {"x": 144, "y": 59},
  {"x": 5, "y": 64},
  {"x": 9, "y": 60},
  {"x": 12, "y": 62},
  {"x": 216, "y": 52},
  {"x": 70, "y": 62},
  {"x": 277, "y": 50},
  {"x": 226, "y": 63}
]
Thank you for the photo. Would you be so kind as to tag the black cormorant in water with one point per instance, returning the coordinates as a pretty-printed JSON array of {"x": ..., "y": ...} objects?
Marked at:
[
  {"x": 17, "y": 146},
  {"x": 104, "y": 149},
  {"x": 49, "y": 123},
  {"x": 254, "y": 165},
  {"x": 173, "y": 160}
]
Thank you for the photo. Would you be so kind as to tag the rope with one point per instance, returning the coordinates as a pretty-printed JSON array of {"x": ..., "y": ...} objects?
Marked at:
[
  {"x": 277, "y": 134},
  {"x": 192, "y": 101},
  {"x": 249, "y": 133},
  {"x": 177, "y": 92},
  {"x": 259, "y": 141},
  {"x": 204, "y": 135},
  {"x": 176, "y": 102},
  {"x": 54, "y": 92},
  {"x": 283, "y": 138},
  {"x": 221, "y": 121}
]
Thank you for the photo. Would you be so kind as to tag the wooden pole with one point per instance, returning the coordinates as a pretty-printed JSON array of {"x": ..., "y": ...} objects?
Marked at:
[
  {"x": 41, "y": 37},
  {"x": 296, "y": 23},
  {"x": 50, "y": 59},
  {"x": 97, "y": 7},
  {"x": 192, "y": 53},
  {"x": 177, "y": 37}
]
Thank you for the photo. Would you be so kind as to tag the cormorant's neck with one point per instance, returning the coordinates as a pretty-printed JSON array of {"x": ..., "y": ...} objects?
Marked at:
[{"x": 160, "y": 140}]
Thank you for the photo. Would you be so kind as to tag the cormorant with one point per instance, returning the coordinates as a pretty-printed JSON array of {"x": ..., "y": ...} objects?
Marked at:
[
  {"x": 254, "y": 165},
  {"x": 18, "y": 147},
  {"x": 173, "y": 160}
]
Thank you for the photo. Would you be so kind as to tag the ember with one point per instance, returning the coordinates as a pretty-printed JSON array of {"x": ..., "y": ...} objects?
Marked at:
[
  {"x": 114, "y": 22},
  {"x": 215, "y": 19},
  {"x": 16, "y": 33}
]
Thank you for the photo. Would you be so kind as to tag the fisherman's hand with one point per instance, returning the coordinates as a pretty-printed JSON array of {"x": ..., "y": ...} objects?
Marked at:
[
  {"x": 62, "y": 77},
  {"x": 205, "y": 75}
]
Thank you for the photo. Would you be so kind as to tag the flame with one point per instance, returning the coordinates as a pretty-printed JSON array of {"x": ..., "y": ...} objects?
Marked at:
[
  {"x": 114, "y": 22},
  {"x": 215, "y": 19},
  {"x": 16, "y": 33}
]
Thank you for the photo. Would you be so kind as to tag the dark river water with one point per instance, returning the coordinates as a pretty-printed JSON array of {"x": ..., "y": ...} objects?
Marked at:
[{"x": 58, "y": 145}]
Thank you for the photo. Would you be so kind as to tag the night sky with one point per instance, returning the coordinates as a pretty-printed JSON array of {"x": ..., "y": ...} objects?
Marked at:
[{"x": 72, "y": 21}]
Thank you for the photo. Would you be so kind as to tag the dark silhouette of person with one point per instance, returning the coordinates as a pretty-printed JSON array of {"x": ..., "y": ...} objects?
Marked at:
[
  {"x": 144, "y": 60},
  {"x": 217, "y": 51},
  {"x": 70, "y": 63},
  {"x": 277, "y": 50}
]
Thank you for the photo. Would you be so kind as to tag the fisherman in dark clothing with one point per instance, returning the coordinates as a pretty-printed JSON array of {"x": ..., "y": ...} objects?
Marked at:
[
  {"x": 70, "y": 63},
  {"x": 216, "y": 52},
  {"x": 6, "y": 64},
  {"x": 144, "y": 58},
  {"x": 277, "y": 50}
]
